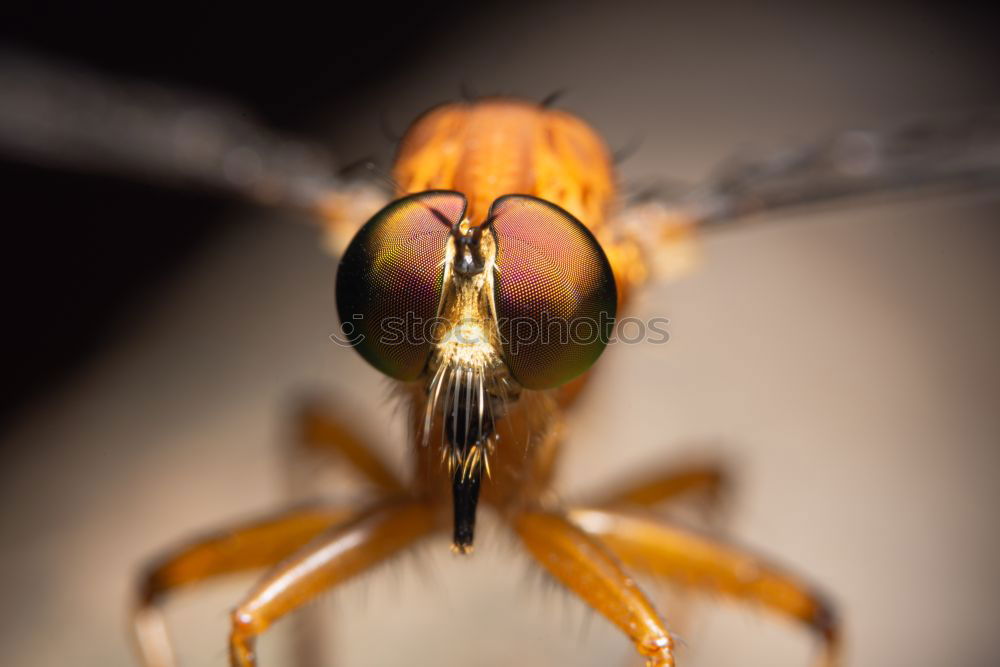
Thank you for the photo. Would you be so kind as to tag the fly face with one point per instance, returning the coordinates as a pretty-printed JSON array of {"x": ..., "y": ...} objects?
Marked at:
[{"x": 475, "y": 312}]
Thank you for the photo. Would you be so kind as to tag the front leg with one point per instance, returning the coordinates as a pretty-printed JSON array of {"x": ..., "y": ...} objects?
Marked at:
[
  {"x": 709, "y": 480},
  {"x": 343, "y": 552},
  {"x": 319, "y": 430},
  {"x": 252, "y": 545},
  {"x": 588, "y": 569},
  {"x": 699, "y": 561}
]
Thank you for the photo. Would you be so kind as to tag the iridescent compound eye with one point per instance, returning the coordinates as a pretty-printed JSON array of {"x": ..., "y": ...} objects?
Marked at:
[
  {"x": 554, "y": 291},
  {"x": 389, "y": 280}
]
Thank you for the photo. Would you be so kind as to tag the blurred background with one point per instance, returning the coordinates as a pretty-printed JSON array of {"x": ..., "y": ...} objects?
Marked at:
[{"x": 843, "y": 361}]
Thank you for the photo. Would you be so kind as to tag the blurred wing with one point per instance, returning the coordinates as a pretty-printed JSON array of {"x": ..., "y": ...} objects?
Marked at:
[
  {"x": 54, "y": 113},
  {"x": 58, "y": 114},
  {"x": 928, "y": 156}
]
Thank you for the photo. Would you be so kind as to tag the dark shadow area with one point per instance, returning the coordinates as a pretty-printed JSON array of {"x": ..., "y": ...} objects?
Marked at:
[{"x": 67, "y": 284}]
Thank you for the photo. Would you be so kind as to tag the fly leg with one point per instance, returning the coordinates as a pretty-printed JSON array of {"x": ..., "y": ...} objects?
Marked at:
[
  {"x": 320, "y": 436},
  {"x": 318, "y": 430},
  {"x": 587, "y": 567},
  {"x": 701, "y": 488},
  {"x": 663, "y": 548},
  {"x": 708, "y": 481},
  {"x": 253, "y": 545},
  {"x": 343, "y": 552}
]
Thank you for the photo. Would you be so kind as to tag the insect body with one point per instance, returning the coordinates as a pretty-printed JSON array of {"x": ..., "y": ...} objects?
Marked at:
[
  {"x": 523, "y": 296},
  {"x": 485, "y": 290}
]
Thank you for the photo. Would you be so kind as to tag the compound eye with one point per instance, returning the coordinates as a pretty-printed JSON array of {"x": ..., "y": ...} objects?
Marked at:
[
  {"x": 389, "y": 280},
  {"x": 554, "y": 291}
]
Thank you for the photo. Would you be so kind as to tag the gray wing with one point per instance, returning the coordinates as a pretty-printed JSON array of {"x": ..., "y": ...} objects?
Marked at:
[
  {"x": 56, "y": 113},
  {"x": 924, "y": 156}
]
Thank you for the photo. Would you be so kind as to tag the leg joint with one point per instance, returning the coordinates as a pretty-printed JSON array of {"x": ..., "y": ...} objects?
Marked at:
[{"x": 245, "y": 623}]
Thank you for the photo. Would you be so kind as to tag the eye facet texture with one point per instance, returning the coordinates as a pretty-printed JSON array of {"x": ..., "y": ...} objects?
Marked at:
[
  {"x": 555, "y": 293},
  {"x": 389, "y": 280}
]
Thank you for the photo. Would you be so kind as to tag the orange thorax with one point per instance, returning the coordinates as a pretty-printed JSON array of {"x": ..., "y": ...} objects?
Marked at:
[{"x": 495, "y": 147}]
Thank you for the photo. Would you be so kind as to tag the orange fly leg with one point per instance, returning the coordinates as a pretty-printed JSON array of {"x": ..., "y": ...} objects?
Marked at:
[
  {"x": 663, "y": 548},
  {"x": 588, "y": 569},
  {"x": 343, "y": 552},
  {"x": 709, "y": 481},
  {"x": 250, "y": 546},
  {"x": 317, "y": 430},
  {"x": 321, "y": 430}
]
